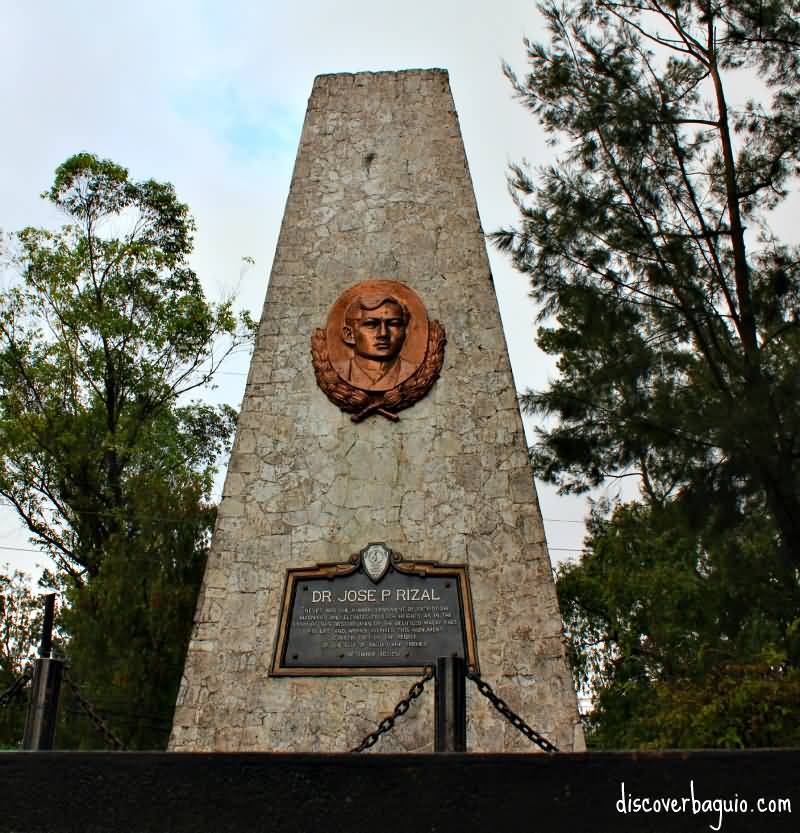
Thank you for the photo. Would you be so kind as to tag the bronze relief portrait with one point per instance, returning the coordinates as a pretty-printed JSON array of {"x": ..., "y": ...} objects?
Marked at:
[{"x": 378, "y": 352}]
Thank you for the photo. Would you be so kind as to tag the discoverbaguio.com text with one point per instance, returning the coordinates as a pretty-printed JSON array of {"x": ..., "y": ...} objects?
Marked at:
[{"x": 697, "y": 805}]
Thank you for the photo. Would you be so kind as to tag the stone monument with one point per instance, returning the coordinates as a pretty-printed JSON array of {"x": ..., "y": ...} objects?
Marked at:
[{"x": 379, "y": 441}]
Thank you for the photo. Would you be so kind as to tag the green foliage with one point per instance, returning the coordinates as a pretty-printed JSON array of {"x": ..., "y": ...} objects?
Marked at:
[
  {"x": 130, "y": 625},
  {"x": 683, "y": 639},
  {"x": 105, "y": 333},
  {"x": 103, "y": 455},
  {"x": 674, "y": 311}
]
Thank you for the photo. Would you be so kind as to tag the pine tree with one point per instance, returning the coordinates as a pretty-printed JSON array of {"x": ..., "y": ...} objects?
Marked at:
[{"x": 674, "y": 310}]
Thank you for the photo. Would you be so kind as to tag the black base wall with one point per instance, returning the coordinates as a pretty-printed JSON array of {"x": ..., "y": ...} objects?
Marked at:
[{"x": 78, "y": 792}]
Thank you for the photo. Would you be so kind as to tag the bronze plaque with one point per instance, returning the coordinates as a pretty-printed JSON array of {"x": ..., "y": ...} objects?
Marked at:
[
  {"x": 377, "y": 334},
  {"x": 375, "y": 614},
  {"x": 379, "y": 352}
]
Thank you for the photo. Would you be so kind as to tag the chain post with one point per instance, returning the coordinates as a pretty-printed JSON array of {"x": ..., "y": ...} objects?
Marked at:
[
  {"x": 46, "y": 644},
  {"x": 40, "y": 725},
  {"x": 450, "y": 707}
]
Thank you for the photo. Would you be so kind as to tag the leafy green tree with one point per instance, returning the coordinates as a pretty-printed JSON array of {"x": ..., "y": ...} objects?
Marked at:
[
  {"x": 674, "y": 310},
  {"x": 681, "y": 639},
  {"x": 103, "y": 455}
]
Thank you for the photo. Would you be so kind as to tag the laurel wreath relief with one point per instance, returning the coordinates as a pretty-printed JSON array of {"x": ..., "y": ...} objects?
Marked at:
[{"x": 362, "y": 403}]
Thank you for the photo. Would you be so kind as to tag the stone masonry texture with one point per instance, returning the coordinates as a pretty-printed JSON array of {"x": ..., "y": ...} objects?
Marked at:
[{"x": 381, "y": 189}]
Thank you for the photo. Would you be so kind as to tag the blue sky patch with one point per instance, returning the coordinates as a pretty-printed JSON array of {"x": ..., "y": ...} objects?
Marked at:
[{"x": 250, "y": 127}]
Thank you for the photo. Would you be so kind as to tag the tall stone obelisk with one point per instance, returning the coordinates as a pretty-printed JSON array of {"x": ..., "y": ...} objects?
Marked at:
[{"x": 381, "y": 192}]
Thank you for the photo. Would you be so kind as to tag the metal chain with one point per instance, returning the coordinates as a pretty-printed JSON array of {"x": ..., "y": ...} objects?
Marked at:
[
  {"x": 400, "y": 709},
  {"x": 14, "y": 690},
  {"x": 514, "y": 719},
  {"x": 89, "y": 709}
]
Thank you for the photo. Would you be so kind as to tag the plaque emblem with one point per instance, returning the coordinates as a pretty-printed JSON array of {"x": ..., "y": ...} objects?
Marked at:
[
  {"x": 375, "y": 560},
  {"x": 379, "y": 353}
]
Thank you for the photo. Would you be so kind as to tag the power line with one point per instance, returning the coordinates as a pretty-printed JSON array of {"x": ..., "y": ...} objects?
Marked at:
[
  {"x": 122, "y": 516},
  {"x": 563, "y": 521},
  {"x": 111, "y": 512},
  {"x": 42, "y": 552},
  {"x": 22, "y": 549}
]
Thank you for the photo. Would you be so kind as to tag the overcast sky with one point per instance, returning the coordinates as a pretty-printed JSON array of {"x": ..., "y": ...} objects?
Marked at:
[{"x": 211, "y": 97}]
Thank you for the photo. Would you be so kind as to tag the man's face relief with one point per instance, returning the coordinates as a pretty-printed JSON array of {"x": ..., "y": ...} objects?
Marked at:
[{"x": 377, "y": 334}]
